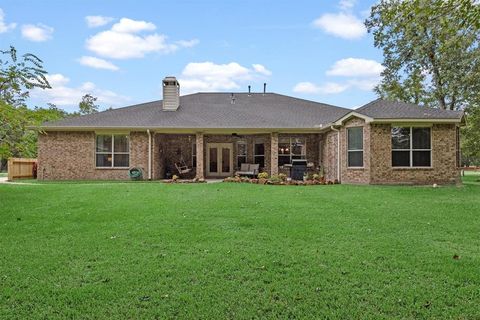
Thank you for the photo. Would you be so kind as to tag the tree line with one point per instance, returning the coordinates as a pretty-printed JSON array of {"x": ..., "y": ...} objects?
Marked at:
[{"x": 18, "y": 76}]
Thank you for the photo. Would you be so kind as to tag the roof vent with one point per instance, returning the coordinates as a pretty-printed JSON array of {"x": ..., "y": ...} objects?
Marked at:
[
  {"x": 264, "y": 88},
  {"x": 171, "y": 94},
  {"x": 249, "y": 90},
  {"x": 232, "y": 101}
]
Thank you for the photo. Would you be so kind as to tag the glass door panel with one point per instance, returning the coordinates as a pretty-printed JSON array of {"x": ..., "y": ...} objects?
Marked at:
[
  {"x": 213, "y": 163},
  {"x": 226, "y": 160}
]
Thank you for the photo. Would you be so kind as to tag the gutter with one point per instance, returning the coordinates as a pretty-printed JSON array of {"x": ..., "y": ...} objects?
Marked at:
[
  {"x": 338, "y": 151},
  {"x": 149, "y": 154}
]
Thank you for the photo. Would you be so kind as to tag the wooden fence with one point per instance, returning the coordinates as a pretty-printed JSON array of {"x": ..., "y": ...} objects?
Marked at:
[{"x": 20, "y": 168}]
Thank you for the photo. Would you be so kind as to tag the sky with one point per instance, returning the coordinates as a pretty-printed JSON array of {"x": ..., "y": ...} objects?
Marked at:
[{"x": 119, "y": 51}]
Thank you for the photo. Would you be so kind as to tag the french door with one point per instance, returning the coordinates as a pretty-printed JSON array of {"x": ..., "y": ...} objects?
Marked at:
[{"x": 219, "y": 159}]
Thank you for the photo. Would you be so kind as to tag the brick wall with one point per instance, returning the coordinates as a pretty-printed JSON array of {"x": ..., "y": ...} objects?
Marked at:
[
  {"x": 329, "y": 155},
  {"x": 71, "y": 156},
  {"x": 355, "y": 175},
  {"x": 443, "y": 169}
]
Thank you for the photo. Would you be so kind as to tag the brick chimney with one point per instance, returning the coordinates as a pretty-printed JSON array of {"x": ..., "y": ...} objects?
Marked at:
[{"x": 171, "y": 94}]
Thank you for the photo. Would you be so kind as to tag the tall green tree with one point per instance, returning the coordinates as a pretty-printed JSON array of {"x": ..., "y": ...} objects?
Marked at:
[
  {"x": 87, "y": 105},
  {"x": 18, "y": 75},
  {"x": 431, "y": 51}
]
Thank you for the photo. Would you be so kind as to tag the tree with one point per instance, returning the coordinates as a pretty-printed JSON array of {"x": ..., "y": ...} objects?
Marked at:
[
  {"x": 87, "y": 105},
  {"x": 431, "y": 51},
  {"x": 18, "y": 76},
  {"x": 471, "y": 137}
]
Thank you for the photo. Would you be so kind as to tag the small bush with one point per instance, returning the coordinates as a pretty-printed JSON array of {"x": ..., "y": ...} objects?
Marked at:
[{"x": 263, "y": 175}]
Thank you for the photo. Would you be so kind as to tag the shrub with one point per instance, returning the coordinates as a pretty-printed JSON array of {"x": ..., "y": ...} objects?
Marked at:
[
  {"x": 263, "y": 175},
  {"x": 174, "y": 177},
  {"x": 316, "y": 177},
  {"x": 282, "y": 176}
]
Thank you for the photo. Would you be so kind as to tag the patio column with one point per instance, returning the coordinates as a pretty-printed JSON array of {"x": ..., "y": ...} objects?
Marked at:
[
  {"x": 200, "y": 156},
  {"x": 274, "y": 154}
]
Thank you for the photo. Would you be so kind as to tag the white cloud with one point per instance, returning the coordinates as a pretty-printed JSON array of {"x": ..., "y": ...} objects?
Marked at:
[
  {"x": 209, "y": 76},
  {"x": 346, "y": 4},
  {"x": 5, "y": 27},
  {"x": 355, "y": 67},
  {"x": 126, "y": 25},
  {"x": 67, "y": 96},
  {"x": 343, "y": 25},
  {"x": 261, "y": 69},
  {"x": 361, "y": 74},
  {"x": 124, "y": 41},
  {"x": 37, "y": 33},
  {"x": 97, "y": 21},
  {"x": 327, "y": 88},
  {"x": 188, "y": 43},
  {"x": 97, "y": 63}
]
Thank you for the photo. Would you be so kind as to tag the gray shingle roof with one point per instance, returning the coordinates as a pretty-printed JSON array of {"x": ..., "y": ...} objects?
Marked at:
[
  {"x": 386, "y": 109},
  {"x": 215, "y": 110}
]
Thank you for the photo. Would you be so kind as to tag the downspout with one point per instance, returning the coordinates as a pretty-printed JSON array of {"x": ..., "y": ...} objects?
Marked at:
[
  {"x": 338, "y": 151},
  {"x": 149, "y": 154}
]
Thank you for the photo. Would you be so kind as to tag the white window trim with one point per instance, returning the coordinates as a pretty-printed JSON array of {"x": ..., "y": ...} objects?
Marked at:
[
  {"x": 112, "y": 152},
  {"x": 411, "y": 150},
  {"x": 290, "y": 155},
  {"x": 355, "y": 150}
]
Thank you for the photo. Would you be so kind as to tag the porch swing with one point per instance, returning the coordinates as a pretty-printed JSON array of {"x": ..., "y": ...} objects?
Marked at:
[{"x": 182, "y": 167}]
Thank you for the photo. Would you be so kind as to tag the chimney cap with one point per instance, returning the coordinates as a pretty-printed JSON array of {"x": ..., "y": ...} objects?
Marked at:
[{"x": 170, "y": 79}]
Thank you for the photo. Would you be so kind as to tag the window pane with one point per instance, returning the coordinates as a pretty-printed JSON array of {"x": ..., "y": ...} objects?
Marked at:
[
  {"x": 259, "y": 149},
  {"x": 283, "y": 160},
  {"x": 104, "y": 143},
  {"x": 421, "y": 159},
  {"x": 241, "y": 149},
  {"x": 283, "y": 148},
  {"x": 104, "y": 160},
  {"x": 401, "y": 158},
  {"x": 421, "y": 138},
  {"x": 194, "y": 149},
  {"x": 120, "y": 143},
  {"x": 355, "y": 138},
  {"x": 120, "y": 160},
  {"x": 259, "y": 160},
  {"x": 298, "y": 146},
  {"x": 355, "y": 158},
  {"x": 400, "y": 138},
  {"x": 240, "y": 160},
  {"x": 213, "y": 160}
]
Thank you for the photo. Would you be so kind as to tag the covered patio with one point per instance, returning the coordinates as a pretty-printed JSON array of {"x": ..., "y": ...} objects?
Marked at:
[{"x": 211, "y": 154}]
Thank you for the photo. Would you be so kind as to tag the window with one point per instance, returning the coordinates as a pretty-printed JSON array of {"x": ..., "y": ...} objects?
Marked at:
[
  {"x": 259, "y": 154},
  {"x": 355, "y": 146},
  {"x": 112, "y": 151},
  {"x": 411, "y": 147},
  {"x": 194, "y": 155},
  {"x": 291, "y": 148},
  {"x": 241, "y": 153}
]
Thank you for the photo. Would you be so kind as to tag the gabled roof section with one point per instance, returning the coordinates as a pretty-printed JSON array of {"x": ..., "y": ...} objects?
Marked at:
[
  {"x": 213, "y": 110},
  {"x": 381, "y": 110},
  {"x": 387, "y": 109}
]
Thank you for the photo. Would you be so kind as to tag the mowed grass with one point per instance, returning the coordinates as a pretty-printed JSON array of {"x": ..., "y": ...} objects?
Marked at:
[{"x": 238, "y": 251}]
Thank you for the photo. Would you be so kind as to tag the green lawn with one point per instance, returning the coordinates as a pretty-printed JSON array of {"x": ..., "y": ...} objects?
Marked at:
[{"x": 151, "y": 250}]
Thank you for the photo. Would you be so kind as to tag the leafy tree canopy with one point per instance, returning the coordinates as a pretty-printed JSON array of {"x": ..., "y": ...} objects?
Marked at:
[
  {"x": 18, "y": 75},
  {"x": 431, "y": 51},
  {"x": 87, "y": 105}
]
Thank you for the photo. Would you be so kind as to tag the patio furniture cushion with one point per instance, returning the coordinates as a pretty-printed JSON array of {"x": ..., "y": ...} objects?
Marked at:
[{"x": 244, "y": 167}]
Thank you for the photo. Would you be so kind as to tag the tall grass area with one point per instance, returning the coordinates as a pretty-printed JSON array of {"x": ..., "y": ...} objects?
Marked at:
[{"x": 239, "y": 251}]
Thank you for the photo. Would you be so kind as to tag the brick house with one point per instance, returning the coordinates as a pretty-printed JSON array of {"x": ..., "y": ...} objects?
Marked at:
[{"x": 383, "y": 142}]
